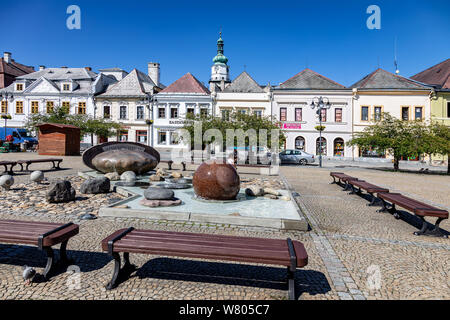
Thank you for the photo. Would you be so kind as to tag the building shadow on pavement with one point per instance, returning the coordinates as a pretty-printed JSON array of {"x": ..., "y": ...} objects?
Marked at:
[{"x": 309, "y": 281}]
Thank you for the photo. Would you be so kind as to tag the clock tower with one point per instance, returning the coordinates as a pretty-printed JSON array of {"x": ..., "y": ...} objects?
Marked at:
[{"x": 220, "y": 69}]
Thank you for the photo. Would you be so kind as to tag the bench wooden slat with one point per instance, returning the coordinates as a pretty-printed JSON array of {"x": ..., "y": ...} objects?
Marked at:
[
  {"x": 413, "y": 205},
  {"x": 30, "y": 223}
]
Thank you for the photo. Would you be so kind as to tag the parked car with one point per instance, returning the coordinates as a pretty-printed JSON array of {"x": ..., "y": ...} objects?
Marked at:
[
  {"x": 296, "y": 157},
  {"x": 20, "y": 135}
]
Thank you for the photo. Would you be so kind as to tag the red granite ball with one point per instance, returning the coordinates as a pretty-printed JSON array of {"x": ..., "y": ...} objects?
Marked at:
[{"x": 215, "y": 180}]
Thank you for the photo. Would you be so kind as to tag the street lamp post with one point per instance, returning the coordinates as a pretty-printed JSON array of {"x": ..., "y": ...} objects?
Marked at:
[
  {"x": 150, "y": 99},
  {"x": 321, "y": 103},
  {"x": 6, "y": 115}
]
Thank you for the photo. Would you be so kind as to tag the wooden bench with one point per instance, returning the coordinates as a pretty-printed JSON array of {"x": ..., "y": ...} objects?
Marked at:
[
  {"x": 291, "y": 254},
  {"x": 420, "y": 209},
  {"x": 342, "y": 177},
  {"x": 55, "y": 162},
  {"x": 42, "y": 234},
  {"x": 368, "y": 187},
  {"x": 6, "y": 164}
]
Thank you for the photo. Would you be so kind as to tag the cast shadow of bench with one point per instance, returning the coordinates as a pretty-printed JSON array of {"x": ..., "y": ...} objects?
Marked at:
[
  {"x": 416, "y": 222},
  {"x": 310, "y": 281},
  {"x": 31, "y": 256}
]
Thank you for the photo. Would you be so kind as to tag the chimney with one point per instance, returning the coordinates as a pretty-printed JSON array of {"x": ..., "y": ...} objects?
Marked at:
[
  {"x": 153, "y": 72},
  {"x": 41, "y": 68},
  {"x": 64, "y": 67},
  {"x": 7, "y": 57},
  {"x": 88, "y": 68}
]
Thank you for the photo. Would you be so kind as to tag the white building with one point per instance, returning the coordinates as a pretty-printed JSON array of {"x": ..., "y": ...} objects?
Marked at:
[
  {"x": 128, "y": 102},
  {"x": 243, "y": 95},
  {"x": 291, "y": 106},
  {"x": 382, "y": 91},
  {"x": 185, "y": 95},
  {"x": 43, "y": 90}
]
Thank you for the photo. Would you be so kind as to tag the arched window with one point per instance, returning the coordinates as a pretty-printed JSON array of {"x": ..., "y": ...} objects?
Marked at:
[
  {"x": 321, "y": 145},
  {"x": 300, "y": 143},
  {"x": 338, "y": 147}
]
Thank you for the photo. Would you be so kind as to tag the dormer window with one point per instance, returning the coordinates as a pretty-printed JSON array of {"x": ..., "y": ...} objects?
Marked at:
[
  {"x": 66, "y": 87},
  {"x": 19, "y": 86}
]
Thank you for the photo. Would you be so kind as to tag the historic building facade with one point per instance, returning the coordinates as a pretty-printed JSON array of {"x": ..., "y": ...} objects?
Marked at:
[
  {"x": 382, "y": 91},
  {"x": 48, "y": 88},
  {"x": 243, "y": 95},
  {"x": 291, "y": 105},
  {"x": 129, "y": 102},
  {"x": 10, "y": 70},
  {"x": 185, "y": 95}
]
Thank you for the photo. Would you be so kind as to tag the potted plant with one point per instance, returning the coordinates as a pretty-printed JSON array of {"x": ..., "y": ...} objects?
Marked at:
[{"x": 319, "y": 128}]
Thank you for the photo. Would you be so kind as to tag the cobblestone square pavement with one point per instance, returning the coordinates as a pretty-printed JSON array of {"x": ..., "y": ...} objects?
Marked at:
[
  {"x": 346, "y": 239},
  {"x": 357, "y": 243}
]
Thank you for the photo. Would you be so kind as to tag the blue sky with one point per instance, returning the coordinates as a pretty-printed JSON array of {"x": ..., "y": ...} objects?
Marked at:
[{"x": 273, "y": 39}]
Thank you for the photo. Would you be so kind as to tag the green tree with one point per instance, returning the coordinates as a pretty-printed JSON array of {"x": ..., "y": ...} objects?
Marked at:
[
  {"x": 86, "y": 123},
  {"x": 234, "y": 121},
  {"x": 400, "y": 138},
  {"x": 439, "y": 141}
]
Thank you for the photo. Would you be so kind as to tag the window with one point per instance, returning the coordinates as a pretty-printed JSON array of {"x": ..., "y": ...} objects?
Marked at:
[
  {"x": 377, "y": 113},
  {"x": 66, "y": 87},
  {"x": 405, "y": 113},
  {"x": 364, "y": 113},
  {"x": 418, "y": 113},
  {"x": 19, "y": 107},
  {"x": 4, "y": 106},
  {"x": 300, "y": 143},
  {"x": 338, "y": 147},
  {"x": 161, "y": 112},
  {"x": 190, "y": 110},
  {"x": 226, "y": 115},
  {"x": 282, "y": 114},
  {"x": 338, "y": 115},
  {"x": 257, "y": 113},
  {"x": 298, "y": 114},
  {"x": 174, "y": 137},
  {"x": 448, "y": 109},
  {"x": 34, "y": 107},
  {"x": 19, "y": 86},
  {"x": 173, "y": 112},
  {"x": 323, "y": 115},
  {"x": 123, "y": 135},
  {"x": 203, "y": 112},
  {"x": 81, "y": 107},
  {"x": 140, "y": 113},
  {"x": 49, "y": 108},
  {"x": 242, "y": 111},
  {"x": 123, "y": 112},
  {"x": 321, "y": 145},
  {"x": 141, "y": 136},
  {"x": 66, "y": 106},
  {"x": 162, "y": 137},
  {"x": 106, "y": 112}
]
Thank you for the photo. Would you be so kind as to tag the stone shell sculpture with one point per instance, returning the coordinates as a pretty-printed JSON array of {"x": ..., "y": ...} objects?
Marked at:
[
  {"x": 121, "y": 157},
  {"x": 216, "y": 181},
  {"x": 6, "y": 181},
  {"x": 37, "y": 176}
]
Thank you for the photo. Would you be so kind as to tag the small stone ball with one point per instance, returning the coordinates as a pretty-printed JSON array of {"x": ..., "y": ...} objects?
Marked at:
[{"x": 37, "y": 176}]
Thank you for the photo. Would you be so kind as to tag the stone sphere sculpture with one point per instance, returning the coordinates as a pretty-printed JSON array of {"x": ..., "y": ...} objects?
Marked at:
[
  {"x": 216, "y": 181},
  {"x": 121, "y": 157},
  {"x": 6, "y": 181},
  {"x": 37, "y": 176}
]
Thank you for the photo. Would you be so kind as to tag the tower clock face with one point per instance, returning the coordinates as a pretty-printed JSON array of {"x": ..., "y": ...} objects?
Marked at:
[{"x": 216, "y": 68}]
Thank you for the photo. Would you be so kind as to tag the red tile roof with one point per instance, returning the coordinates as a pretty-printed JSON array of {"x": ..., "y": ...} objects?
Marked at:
[
  {"x": 186, "y": 84},
  {"x": 438, "y": 74},
  {"x": 9, "y": 71}
]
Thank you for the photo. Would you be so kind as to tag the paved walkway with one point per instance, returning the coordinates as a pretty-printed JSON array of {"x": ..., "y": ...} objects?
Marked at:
[{"x": 354, "y": 252}]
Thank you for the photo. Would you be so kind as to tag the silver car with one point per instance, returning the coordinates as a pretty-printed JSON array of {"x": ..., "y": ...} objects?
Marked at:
[{"x": 296, "y": 157}]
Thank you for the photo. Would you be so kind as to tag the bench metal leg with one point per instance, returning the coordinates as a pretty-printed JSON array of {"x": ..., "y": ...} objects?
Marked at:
[
  {"x": 112, "y": 284},
  {"x": 334, "y": 181},
  {"x": 50, "y": 262},
  {"x": 291, "y": 283},
  {"x": 26, "y": 169},
  {"x": 184, "y": 165},
  {"x": 436, "y": 231},
  {"x": 373, "y": 201},
  {"x": 63, "y": 259},
  {"x": 21, "y": 166}
]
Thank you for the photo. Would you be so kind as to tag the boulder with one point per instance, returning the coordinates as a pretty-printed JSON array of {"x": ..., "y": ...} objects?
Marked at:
[
  {"x": 95, "y": 186},
  {"x": 6, "y": 181},
  {"x": 124, "y": 160},
  {"x": 112, "y": 176},
  {"x": 271, "y": 191},
  {"x": 128, "y": 176},
  {"x": 254, "y": 191},
  {"x": 153, "y": 193},
  {"x": 270, "y": 196},
  {"x": 61, "y": 191},
  {"x": 161, "y": 171},
  {"x": 176, "y": 175},
  {"x": 285, "y": 198},
  {"x": 37, "y": 176},
  {"x": 160, "y": 203},
  {"x": 156, "y": 177}
]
